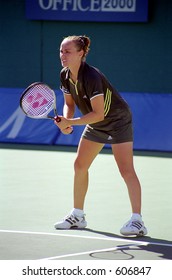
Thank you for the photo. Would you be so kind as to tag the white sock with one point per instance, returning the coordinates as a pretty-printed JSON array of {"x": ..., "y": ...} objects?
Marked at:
[
  {"x": 77, "y": 212},
  {"x": 136, "y": 216}
]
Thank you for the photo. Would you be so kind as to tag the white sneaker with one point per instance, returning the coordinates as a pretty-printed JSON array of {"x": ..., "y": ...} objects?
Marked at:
[
  {"x": 134, "y": 227},
  {"x": 71, "y": 221}
]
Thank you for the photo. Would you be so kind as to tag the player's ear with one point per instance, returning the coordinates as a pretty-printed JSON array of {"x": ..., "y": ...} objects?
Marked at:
[{"x": 81, "y": 53}]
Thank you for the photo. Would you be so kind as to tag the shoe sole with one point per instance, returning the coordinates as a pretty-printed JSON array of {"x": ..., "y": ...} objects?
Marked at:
[
  {"x": 72, "y": 227},
  {"x": 139, "y": 234}
]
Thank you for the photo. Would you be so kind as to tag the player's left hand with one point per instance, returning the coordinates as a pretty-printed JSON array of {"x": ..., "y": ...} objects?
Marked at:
[
  {"x": 67, "y": 130},
  {"x": 63, "y": 123}
]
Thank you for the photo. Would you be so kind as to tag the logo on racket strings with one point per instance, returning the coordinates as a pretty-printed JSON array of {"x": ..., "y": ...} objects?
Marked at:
[{"x": 37, "y": 101}]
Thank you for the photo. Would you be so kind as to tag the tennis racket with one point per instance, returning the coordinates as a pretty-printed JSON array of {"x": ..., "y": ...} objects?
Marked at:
[{"x": 38, "y": 100}]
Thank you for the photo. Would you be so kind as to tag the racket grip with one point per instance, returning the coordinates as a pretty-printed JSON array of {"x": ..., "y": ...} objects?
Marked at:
[{"x": 57, "y": 119}]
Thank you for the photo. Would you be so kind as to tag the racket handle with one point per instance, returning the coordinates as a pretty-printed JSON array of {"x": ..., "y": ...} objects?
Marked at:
[{"x": 57, "y": 119}]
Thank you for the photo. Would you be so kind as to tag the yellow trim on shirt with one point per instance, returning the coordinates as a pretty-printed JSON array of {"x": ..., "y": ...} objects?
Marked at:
[
  {"x": 107, "y": 102},
  {"x": 75, "y": 85}
]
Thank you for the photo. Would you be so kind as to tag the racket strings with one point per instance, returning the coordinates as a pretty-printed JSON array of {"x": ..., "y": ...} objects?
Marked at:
[{"x": 38, "y": 101}]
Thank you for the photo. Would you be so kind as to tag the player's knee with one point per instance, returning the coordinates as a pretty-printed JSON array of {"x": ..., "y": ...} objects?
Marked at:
[
  {"x": 126, "y": 173},
  {"x": 79, "y": 166}
]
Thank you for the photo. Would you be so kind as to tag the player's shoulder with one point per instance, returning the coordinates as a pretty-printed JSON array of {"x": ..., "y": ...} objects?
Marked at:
[
  {"x": 91, "y": 72},
  {"x": 64, "y": 72}
]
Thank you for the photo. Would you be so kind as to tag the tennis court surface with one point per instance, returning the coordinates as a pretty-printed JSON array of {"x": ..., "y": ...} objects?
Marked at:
[{"x": 36, "y": 191}]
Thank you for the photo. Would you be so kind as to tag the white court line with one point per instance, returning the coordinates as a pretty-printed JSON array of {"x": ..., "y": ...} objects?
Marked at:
[
  {"x": 71, "y": 235},
  {"x": 91, "y": 252},
  {"x": 88, "y": 237}
]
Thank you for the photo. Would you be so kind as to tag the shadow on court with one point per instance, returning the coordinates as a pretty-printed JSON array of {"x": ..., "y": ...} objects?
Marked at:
[{"x": 162, "y": 247}]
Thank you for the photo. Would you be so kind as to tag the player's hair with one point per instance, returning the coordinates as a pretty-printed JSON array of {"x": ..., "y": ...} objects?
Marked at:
[{"x": 82, "y": 42}]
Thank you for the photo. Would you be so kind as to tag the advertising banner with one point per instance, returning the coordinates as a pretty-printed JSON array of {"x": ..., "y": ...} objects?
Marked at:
[{"x": 88, "y": 10}]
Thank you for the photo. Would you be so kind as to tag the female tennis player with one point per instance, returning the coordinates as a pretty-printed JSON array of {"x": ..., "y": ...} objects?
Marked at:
[{"x": 108, "y": 120}]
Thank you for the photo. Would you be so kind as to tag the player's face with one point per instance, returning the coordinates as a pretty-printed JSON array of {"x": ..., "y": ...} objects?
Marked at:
[{"x": 69, "y": 55}]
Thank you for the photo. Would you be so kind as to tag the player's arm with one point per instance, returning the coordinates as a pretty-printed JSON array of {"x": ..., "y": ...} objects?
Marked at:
[
  {"x": 68, "y": 112},
  {"x": 96, "y": 115},
  {"x": 69, "y": 106}
]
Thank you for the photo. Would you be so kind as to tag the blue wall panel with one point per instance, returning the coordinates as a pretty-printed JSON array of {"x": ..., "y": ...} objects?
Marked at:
[{"x": 152, "y": 119}]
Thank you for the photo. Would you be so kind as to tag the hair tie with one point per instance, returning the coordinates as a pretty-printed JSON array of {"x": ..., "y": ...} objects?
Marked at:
[{"x": 82, "y": 40}]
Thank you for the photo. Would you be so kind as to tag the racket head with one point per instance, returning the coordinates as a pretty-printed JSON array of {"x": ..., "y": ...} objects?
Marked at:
[{"x": 38, "y": 100}]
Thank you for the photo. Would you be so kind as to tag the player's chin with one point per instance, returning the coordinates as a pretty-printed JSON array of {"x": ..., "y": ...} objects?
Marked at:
[{"x": 64, "y": 63}]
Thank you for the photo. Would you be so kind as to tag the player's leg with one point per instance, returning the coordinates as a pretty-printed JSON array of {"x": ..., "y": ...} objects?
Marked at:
[
  {"x": 123, "y": 154},
  {"x": 87, "y": 151}
]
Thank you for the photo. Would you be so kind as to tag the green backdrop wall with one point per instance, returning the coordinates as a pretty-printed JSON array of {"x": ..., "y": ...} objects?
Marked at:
[{"x": 136, "y": 57}]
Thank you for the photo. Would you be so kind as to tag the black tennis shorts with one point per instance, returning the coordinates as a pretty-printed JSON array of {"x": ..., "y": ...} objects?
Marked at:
[{"x": 120, "y": 134}]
